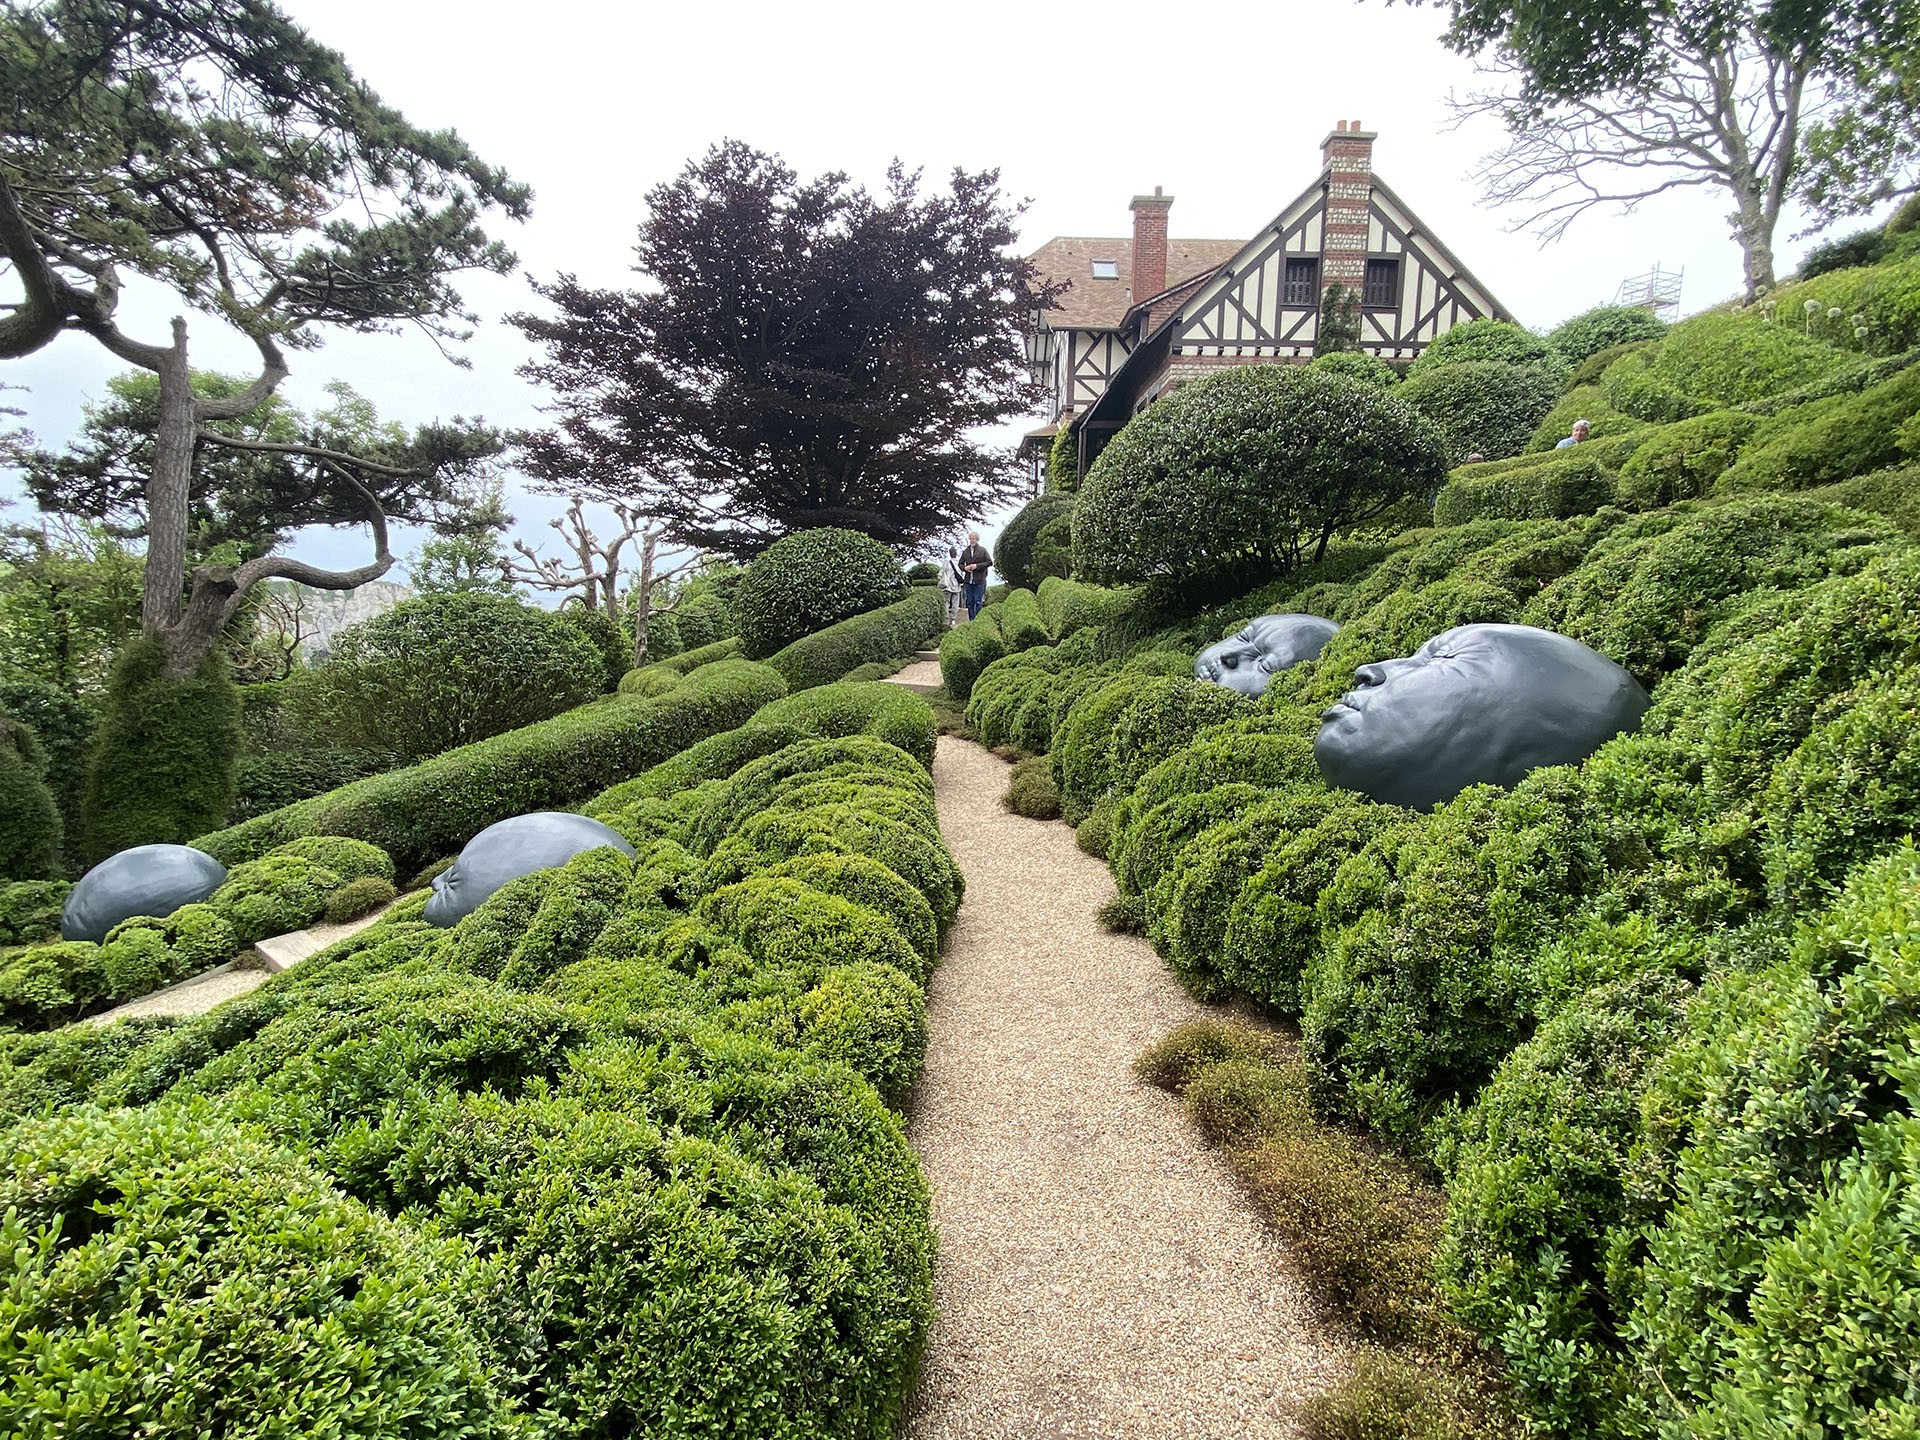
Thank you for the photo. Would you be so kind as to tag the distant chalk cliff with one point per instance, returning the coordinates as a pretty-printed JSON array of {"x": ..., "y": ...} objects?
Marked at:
[{"x": 324, "y": 613}]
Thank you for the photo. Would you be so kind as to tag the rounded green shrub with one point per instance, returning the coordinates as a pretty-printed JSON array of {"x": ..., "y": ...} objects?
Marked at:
[
  {"x": 1588, "y": 403},
  {"x": 164, "y": 757},
  {"x": 1828, "y": 440},
  {"x": 1843, "y": 252},
  {"x": 274, "y": 895},
  {"x": 1484, "y": 407},
  {"x": 29, "y": 820},
  {"x": 1588, "y": 373},
  {"x": 1723, "y": 358},
  {"x": 871, "y": 1018},
  {"x": 778, "y": 921},
  {"x": 1246, "y": 474},
  {"x": 1603, "y": 328},
  {"x": 49, "y": 984},
  {"x": 863, "y": 881},
  {"x": 65, "y": 728},
  {"x": 968, "y": 649},
  {"x": 1015, "y": 552},
  {"x": 269, "y": 1303},
  {"x": 1031, "y": 791},
  {"x": 441, "y": 671},
  {"x": 1487, "y": 341},
  {"x": 350, "y": 859},
  {"x": 1683, "y": 460},
  {"x": 809, "y": 580},
  {"x": 1357, "y": 365},
  {"x": 608, "y": 639},
  {"x": 30, "y": 910},
  {"x": 356, "y": 898}
]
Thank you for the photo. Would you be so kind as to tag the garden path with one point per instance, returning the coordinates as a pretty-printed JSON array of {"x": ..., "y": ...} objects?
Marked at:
[{"x": 1100, "y": 1273}]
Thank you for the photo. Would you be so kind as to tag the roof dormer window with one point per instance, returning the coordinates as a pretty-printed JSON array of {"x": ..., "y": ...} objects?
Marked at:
[{"x": 1106, "y": 269}]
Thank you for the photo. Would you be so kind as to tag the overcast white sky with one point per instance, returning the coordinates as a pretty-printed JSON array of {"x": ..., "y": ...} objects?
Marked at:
[{"x": 1079, "y": 106}]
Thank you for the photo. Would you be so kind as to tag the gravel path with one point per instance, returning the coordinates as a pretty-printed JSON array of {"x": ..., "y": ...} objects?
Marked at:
[{"x": 1100, "y": 1274}]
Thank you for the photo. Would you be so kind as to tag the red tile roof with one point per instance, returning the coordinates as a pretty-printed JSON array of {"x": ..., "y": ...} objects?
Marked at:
[{"x": 1092, "y": 304}]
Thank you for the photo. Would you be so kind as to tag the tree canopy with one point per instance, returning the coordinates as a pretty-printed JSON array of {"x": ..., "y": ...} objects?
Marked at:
[
  {"x": 798, "y": 354},
  {"x": 212, "y": 146},
  {"x": 1769, "y": 99}
]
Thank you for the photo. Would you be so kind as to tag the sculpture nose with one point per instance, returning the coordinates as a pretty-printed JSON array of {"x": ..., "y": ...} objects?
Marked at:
[{"x": 1371, "y": 675}]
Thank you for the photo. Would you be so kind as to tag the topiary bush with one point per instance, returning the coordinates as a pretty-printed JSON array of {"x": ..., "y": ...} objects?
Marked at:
[
  {"x": 967, "y": 650},
  {"x": 1357, "y": 365},
  {"x": 887, "y": 633},
  {"x": 164, "y": 758},
  {"x": 1015, "y": 552},
  {"x": 1031, "y": 791},
  {"x": 809, "y": 580},
  {"x": 428, "y": 810},
  {"x": 1554, "y": 486},
  {"x": 1244, "y": 475},
  {"x": 1714, "y": 360},
  {"x": 1828, "y": 440},
  {"x": 1488, "y": 341},
  {"x": 1482, "y": 406},
  {"x": 609, "y": 641},
  {"x": 649, "y": 681},
  {"x": 441, "y": 671},
  {"x": 30, "y": 910},
  {"x": 1683, "y": 461},
  {"x": 1602, "y": 328},
  {"x": 29, "y": 821},
  {"x": 357, "y": 898},
  {"x": 64, "y": 727}
]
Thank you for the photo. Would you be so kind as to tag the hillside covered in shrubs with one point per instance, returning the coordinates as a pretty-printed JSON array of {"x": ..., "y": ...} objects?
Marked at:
[{"x": 1650, "y": 1020}]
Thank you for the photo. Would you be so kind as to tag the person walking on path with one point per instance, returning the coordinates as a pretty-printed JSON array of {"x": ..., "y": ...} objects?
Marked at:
[
  {"x": 952, "y": 584},
  {"x": 975, "y": 562}
]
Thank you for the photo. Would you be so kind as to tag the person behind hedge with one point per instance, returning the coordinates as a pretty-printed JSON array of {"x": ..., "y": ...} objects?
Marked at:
[
  {"x": 1580, "y": 429},
  {"x": 953, "y": 584},
  {"x": 975, "y": 562}
]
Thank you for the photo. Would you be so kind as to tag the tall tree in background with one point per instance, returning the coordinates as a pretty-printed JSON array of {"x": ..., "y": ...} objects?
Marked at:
[
  {"x": 1610, "y": 102},
  {"x": 799, "y": 353},
  {"x": 213, "y": 147}
]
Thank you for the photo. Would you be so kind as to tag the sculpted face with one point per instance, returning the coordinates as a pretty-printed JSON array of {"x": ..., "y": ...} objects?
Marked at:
[
  {"x": 1269, "y": 644},
  {"x": 1478, "y": 704},
  {"x": 151, "y": 880},
  {"x": 509, "y": 849}
]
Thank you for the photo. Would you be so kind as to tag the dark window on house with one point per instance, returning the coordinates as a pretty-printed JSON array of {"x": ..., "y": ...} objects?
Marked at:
[
  {"x": 1383, "y": 284},
  {"x": 1303, "y": 282},
  {"x": 1106, "y": 269}
]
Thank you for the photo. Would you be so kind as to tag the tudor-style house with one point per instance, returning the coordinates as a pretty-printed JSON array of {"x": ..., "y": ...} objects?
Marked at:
[{"x": 1142, "y": 316}]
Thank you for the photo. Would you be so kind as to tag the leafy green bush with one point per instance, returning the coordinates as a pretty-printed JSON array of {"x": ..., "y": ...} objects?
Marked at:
[
  {"x": 1357, "y": 365},
  {"x": 202, "y": 1228},
  {"x": 649, "y": 681},
  {"x": 1682, "y": 461},
  {"x": 1883, "y": 299},
  {"x": 357, "y": 898},
  {"x": 1486, "y": 341},
  {"x": 49, "y": 984},
  {"x": 1587, "y": 374},
  {"x": 274, "y": 895},
  {"x": 1031, "y": 791},
  {"x": 433, "y": 808},
  {"x": 1828, "y": 440},
  {"x": 1014, "y": 551},
  {"x": 1021, "y": 623},
  {"x": 608, "y": 639},
  {"x": 1559, "y": 484},
  {"x": 1012, "y": 701},
  {"x": 809, "y": 580},
  {"x": 689, "y": 661},
  {"x": 968, "y": 649},
  {"x": 30, "y": 910},
  {"x": 1482, "y": 406},
  {"x": 884, "y": 634},
  {"x": 1245, "y": 474},
  {"x": 441, "y": 671},
  {"x": 29, "y": 820},
  {"x": 1125, "y": 727},
  {"x": 1067, "y": 606},
  {"x": 64, "y": 727},
  {"x": 1603, "y": 328},
  {"x": 164, "y": 757},
  {"x": 1714, "y": 360},
  {"x": 1843, "y": 252},
  {"x": 264, "y": 782}
]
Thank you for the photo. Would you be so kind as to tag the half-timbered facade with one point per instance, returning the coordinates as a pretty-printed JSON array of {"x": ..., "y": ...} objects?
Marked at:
[{"x": 1118, "y": 349}]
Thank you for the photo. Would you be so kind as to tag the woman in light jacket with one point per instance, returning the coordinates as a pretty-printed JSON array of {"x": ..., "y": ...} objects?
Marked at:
[{"x": 954, "y": 585}]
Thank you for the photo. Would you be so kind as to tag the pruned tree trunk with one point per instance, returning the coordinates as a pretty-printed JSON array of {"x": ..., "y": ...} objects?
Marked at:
[
  {"x": 643, "y": 598},
  {"x": 169, "y": 487}
]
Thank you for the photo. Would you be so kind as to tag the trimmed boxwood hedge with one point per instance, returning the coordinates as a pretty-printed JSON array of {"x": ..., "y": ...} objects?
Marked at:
[
  {"x": 432, "y": 809},
  {"x": 809, "y": 580},
  {"x": 1559, "y": 484},
  {"x": 968, "y": 649},
  {"x": 1015, "y": 551},
  {"x": 578, "y": 1158},
  {"x": 884, "y": 634}
]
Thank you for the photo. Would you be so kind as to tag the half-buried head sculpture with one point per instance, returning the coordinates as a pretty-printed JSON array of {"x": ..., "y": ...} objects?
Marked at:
[
  {"x": 151, "y": 880},
  {"x": 1475, "y": 705},
  {"x": 508, "y": 849},
  {"x": 1249, "y": 660}
]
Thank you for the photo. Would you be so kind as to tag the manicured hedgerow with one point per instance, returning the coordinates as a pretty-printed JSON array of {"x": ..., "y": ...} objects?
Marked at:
[
  {"x": 968, "y": 649},
  {"x": 809, "y": 580},
  {"x": 433, "y": 808},
  {"x": 884, "y": 634},
  {"x": 575, "y": 1164}
]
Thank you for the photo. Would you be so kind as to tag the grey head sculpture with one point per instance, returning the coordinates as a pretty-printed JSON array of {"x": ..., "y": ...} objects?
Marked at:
[
  {"x": 508, "y": 849},
  {"x": 151, "y": 880},
  {"x": 1478, "y": 704},
  {"x": 1249, "y": 660}
]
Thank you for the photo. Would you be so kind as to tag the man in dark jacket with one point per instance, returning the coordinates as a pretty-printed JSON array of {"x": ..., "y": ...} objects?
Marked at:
[{"x": 975, "y": 562}]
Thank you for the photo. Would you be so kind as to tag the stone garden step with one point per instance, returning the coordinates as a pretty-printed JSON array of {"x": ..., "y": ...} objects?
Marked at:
[{"x": 283, "y": 952}]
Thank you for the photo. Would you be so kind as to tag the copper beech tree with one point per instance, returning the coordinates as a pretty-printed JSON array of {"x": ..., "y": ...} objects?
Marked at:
[
  {"x": 798, "y": 353},
  {"x": 213, "y": 147}
]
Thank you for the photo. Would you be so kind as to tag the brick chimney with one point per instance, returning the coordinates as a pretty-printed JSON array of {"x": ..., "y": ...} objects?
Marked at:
[
  {"x": 1348, "y": 155},
  {"x": 1150, "y": 243}
]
